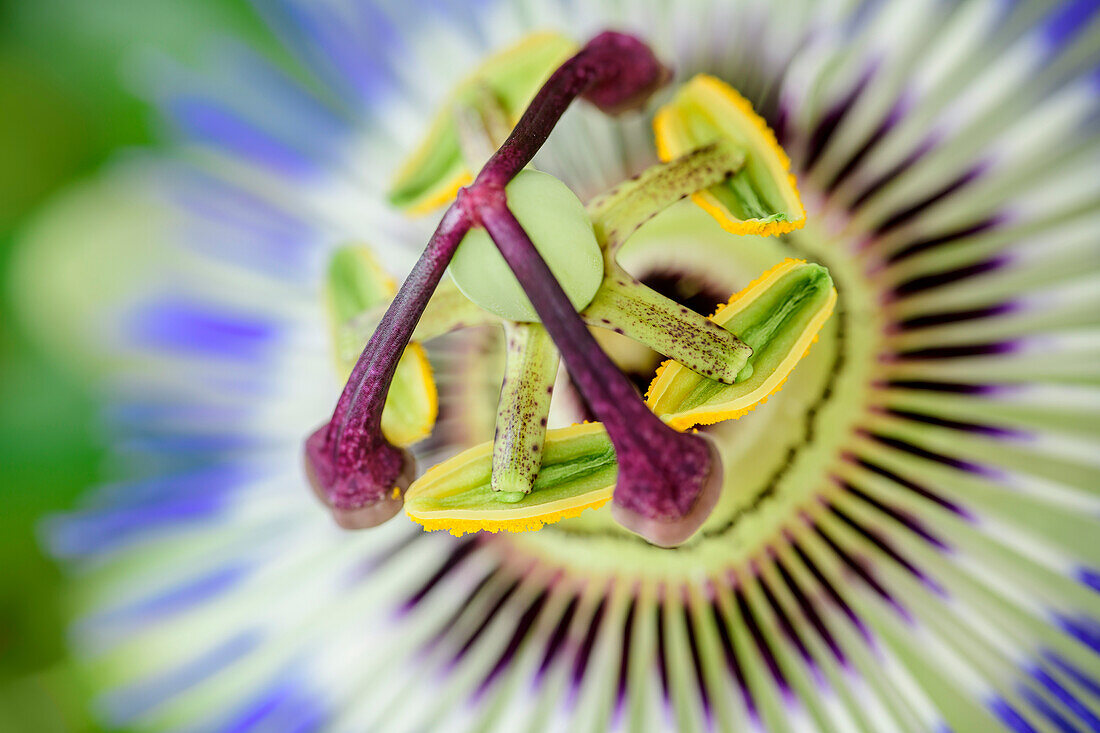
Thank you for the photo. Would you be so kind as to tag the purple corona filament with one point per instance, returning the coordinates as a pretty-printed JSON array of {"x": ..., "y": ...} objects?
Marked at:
[{"x": 668, "y": 481}]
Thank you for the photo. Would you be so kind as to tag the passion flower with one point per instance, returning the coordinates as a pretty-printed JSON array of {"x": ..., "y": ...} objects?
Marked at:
[
  {"x": 557, "y": 223},
  {"x": 905, "y": 535}
]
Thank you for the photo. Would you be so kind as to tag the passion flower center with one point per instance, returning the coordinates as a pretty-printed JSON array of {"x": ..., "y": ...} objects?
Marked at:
[{"x": 348, "y": 460}]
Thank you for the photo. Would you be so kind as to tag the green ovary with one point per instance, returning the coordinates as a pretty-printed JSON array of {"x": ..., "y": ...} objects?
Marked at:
[{"x": 559, "y": 226}]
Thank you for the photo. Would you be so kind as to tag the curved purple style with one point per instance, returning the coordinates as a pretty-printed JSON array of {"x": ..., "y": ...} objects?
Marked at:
[{"x": 349, "y": 462}]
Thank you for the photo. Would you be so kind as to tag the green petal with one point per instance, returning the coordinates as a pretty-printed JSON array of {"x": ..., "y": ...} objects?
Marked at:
[{"x": 432, "y": 175}]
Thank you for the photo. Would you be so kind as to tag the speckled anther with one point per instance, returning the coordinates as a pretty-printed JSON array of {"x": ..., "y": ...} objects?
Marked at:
[{"x": 626, "y": 306}]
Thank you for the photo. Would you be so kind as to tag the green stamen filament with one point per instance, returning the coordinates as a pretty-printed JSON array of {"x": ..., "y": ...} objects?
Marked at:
[{"x": 530, "y": 367}]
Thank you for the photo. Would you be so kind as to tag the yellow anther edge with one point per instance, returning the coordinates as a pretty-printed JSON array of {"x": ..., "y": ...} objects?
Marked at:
[
  {"x": 509, "y": 518},
  {"x": 708, "y": 203},
  {"x": 779, "y": 162},
  {"x": 772, "y": 273},
  {"x": 668, "y": 371}
]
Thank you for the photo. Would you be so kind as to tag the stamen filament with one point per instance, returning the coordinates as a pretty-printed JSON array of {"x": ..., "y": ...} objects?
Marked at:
[
  {"x": 448, "y": 310},
  {"x": 530, "y": 367},
  {"x": 627, "y": 306},
  {"x": 624, "y": 305},
  {"x": 622, "y": 210}
]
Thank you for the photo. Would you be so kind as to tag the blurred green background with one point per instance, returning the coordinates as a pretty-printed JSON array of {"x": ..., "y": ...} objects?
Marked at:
[{"x": 65, "y": 108}]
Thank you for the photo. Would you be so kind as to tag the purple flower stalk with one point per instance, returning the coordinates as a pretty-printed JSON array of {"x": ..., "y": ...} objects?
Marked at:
[{"x": 668, "y": 481}]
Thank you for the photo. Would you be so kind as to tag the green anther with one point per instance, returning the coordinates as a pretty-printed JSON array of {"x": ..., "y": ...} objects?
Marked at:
[
  {"x": 432, "y": 175},
  {"x": 578, "y": 472},
  {"x": 620, "y": 212},
  {"x": 778, "y": 316},
  {"x": 761, "y": 198},
  {"x": 530, "y": 369},
  {"x": 784, "y": 307},
  {"x": 750, "y": 203},
  {"x": 757, "y": 335},
  {"x": 627, "y": 306},
  {"x": 356, "y": 283}
]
